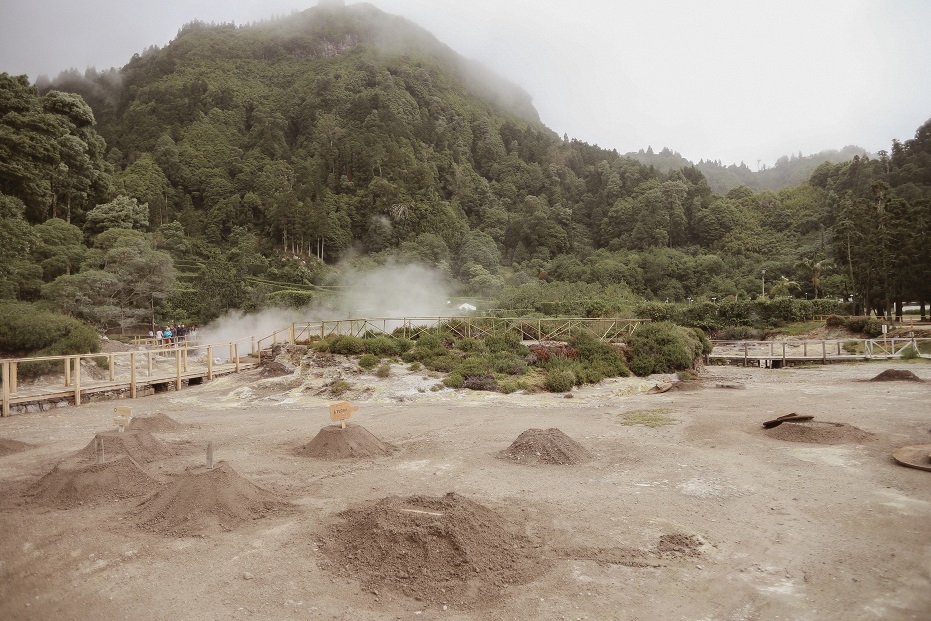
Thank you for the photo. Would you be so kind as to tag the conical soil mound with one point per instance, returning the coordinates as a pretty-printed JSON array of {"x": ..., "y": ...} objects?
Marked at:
[
  {"x": 157, "y": 423},
  {"x": 896, "y": 375},
  {"x": 334, "y": 442},
  {"x": 448, "y": 549},
  {"x": 204, "y": 500},
  {"x": 545, "y": 446},
  {"x": 817, "y": 432},
  {"x": 8, "y": 447},
  {"x": 142, "y": 446},
  {"x": 89, "y": 484}
]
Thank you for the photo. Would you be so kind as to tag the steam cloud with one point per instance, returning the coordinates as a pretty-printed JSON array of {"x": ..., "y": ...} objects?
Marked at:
[{"x": 388, "y": 291}]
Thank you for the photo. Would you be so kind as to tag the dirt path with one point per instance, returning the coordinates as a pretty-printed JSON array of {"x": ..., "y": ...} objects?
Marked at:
[{"x": 696, "y": 513}]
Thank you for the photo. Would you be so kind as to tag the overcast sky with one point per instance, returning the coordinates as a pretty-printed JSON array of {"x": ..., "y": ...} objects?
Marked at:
[{"x": 736, "y": 80}]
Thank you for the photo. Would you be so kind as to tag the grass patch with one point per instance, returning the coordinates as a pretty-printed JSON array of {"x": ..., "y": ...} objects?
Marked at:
[
  {"x": 656, "y": 417},
  {"x": 798, "y": 329}
]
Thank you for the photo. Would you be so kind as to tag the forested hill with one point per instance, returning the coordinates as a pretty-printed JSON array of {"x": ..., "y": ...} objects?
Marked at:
[
  {"x": 258, "y": 160},
  {"x": 788, "y": 171}
]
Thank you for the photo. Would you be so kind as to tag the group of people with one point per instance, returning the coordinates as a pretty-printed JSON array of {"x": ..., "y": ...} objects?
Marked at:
[{"x": 174, "y": 334}]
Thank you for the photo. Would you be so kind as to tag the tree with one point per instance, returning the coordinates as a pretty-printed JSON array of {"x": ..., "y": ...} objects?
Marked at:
[{"x": 120, "y": 213}]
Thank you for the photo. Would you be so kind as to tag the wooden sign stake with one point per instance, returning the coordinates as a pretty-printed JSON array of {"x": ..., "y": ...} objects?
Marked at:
[{"x": 98, "y": 448}]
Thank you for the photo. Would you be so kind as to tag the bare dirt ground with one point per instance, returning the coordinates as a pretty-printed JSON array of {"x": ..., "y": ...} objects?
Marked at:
[{"x": 695, "y": 512}]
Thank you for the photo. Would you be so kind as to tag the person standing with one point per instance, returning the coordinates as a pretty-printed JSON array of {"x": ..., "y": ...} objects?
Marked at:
[{"x": 158, "y": 337}]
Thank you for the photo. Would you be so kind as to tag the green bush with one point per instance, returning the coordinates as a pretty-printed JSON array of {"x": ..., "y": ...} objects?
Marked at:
[
  {"x": 867, "y": 326},
  {"x": 910, "y": 353},
  {"x": 384, "y": 370},
  {"x": 505, "y": 342},
  {"x": 559, "y": 380},
  {"x": 470, "y": 345},
  {"x": 480, "y": 382},
  {"x": 453, "y": 380},
  {"x": 383, "y": 345},
  {"x": 508, "y": 363},
  {"x": 475, "y": 365},
  {"x": 834, "y": 321},
  {"x": 443, "y": 364},
  {"x": 368, "y": 361},
  {"x": 27, "y": 330},
  {"x": 663, "y": 348},
  {"x": 341, "y": 344},
  {"x": 602, "y": 358}
]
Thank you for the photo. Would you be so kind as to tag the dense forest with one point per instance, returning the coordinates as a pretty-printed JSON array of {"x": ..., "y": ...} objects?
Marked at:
[{"x": 243, "y": 167}]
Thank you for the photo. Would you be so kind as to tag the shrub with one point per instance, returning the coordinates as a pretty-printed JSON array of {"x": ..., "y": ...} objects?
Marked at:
[
  {"x": 368, "y": 361},
  {"x": 508, "y": 363},
  {"x": 834, "y": 321},
  {"x": 383, "y": 345},
  {"x": 910, "y": 353},
  {"x": 345, "y": 344},
  {"x": 453, "y": 380},
  {"x": 443, "y": 364},
  {"x": 415, "y": 366},
  {"x": 602, "y": 358},
  {"x": 663, "y": 348},
  {"x": 475, "y": 365},
  {"x": 867, "y": 326},
  {"x": 470, "y": 345},
  {"x": 26, "y": 330},
  {"x": 384, "y": 370},
  {"x": 505, "y": 342},
  {"x": 559, "y": 380},
  {"x": 480, "y": 382}
]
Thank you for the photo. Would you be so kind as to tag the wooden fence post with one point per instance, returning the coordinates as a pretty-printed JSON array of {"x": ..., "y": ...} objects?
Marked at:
[
  {"x": 112, "y": 368},
  {"x": 67, "y": 371},
  {"x": 132, "y": 375},
  {"x": 236, "y": 347},
  {"x": 824, "y": 352},
  {"x": 14, "y": 375},
  {"x": 210, "y": 361},
  {"x": 6, "y": 388},
  {"x": 177, "y": 369},
  {"x": 77, "y": 380},
  {"x": 783, "y": 354},
  {"x": 149, "y": 356}
]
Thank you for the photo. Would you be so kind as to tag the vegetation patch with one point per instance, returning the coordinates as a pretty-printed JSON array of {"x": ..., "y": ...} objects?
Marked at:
[{"x": 656, "y": 417}]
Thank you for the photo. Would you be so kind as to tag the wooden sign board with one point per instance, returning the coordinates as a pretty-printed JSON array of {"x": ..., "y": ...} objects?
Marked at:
[
  {"x": 341, "y": 411},
  {"x": 122, "y": 416}
]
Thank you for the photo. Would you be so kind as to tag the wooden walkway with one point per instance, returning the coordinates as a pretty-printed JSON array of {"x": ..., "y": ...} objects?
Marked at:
[
  {"x": 118, "y": 374},
  {"x": 775, "y": 354}
]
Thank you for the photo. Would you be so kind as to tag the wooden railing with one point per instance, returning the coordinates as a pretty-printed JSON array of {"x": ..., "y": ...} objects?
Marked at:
[
  {"x": 824, "y": 351},
  {"x": 542, "y": 329},
  {"x": 129, "y": 370}
]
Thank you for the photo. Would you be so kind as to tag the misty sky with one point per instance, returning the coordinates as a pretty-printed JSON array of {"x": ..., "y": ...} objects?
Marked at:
[{"x": 737, "y": 80}]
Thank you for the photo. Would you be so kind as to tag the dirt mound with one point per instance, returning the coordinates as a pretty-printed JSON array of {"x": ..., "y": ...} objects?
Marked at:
[
  {"x": 157, "y": 423},
  {"x": 678, "y": 545},
  {"x": 896, "y": 375},
  {"x": 817, "y": 432},
  {"x": 142, "y": 446},
  {"x": 448, "y": 549},
  {"x": 8, "y": 447},
  {"x": 87, "y": 484},
  {"x": 545, "y": 446},
  {"x": 273, "y": 368},
  {"x": 205, "y": 500},
  {"x": 333, "y": 442}
]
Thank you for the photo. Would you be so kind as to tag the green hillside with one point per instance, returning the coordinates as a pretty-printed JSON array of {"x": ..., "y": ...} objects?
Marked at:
[{"x": 241, "y": 167}]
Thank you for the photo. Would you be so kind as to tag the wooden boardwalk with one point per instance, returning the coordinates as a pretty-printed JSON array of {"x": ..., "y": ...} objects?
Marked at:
[
  {"x": 115, "y": 375},
  {"x": 775, "y": 354}
]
